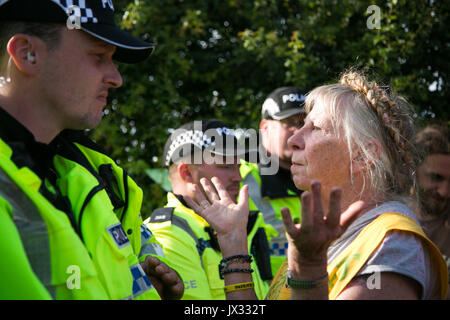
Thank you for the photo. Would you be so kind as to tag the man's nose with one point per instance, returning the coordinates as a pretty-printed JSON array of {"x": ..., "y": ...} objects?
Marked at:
[
  {"x": 295, "y": 141},
  {"x": 444, "y": 189},
  {"x": 113, "y": 77}
]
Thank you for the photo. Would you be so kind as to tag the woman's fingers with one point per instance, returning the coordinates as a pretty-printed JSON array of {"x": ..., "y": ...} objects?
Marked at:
[
  {"x": 288, "y": 222},
  {"x": 307, "y": 220},
  {"x": 316, "y": 191},
  {"x": 334, "y": 213}
]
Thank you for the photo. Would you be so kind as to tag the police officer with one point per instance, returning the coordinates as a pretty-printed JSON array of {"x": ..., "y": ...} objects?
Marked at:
[
  {"x": 196, "y": 150},
  {"x": 270, "y": 185},
  {"x": 70, "y": 218}
]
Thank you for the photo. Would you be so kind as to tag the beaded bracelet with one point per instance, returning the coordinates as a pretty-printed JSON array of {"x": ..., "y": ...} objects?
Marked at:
[
  {"x": 244, "y": 257},
  {"x": 225, "y": 262},
  {"x": 224, "y": 272}
]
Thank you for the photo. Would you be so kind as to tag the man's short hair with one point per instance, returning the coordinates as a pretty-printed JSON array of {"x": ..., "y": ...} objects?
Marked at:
[
  {"x": 48, "y": 32},
  {"x": 433, "y": 139}
]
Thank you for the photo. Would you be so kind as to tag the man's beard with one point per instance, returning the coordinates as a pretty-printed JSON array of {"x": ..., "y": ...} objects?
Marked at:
[{"x": 433, "y": 204}]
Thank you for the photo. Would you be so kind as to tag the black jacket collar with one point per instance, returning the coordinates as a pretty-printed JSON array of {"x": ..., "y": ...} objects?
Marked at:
[
  {"x": 278, "y": 185},
  {"x": 26, "y": 150},
  {"x": 38, "y": 157}
]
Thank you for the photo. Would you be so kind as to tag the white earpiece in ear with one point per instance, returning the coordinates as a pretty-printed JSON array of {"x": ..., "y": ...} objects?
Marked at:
[{"x": 31, "y": 57}]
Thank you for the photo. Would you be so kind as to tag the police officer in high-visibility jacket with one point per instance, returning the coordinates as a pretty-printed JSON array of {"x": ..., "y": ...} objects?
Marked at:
[
  {"x": 270, "y": 185},
  {"x": 204, "y": 149},
  {"x": 69, "y": 217}
]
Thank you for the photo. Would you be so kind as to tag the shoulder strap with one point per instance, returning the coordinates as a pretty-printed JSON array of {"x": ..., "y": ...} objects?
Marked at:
[
  {"x": 162, "y": 215},
  {"x": 64, "y": 145},
  {"x": 166, "y": 214},
  {"x": 68, "y": 145},
  {"x": 80, "y": 137}
]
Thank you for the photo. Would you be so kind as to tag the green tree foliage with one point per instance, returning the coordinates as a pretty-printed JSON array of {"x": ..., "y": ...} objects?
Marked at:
[{"x": 220, "y": 58}]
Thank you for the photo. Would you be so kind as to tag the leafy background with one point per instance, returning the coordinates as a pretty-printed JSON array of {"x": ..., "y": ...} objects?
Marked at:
[{"x": 221, "y": 58}]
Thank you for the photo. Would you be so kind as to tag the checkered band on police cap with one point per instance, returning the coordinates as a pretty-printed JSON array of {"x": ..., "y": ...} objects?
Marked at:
[
  {"x": 213, "y": 135},
  {"x": 189, "y": 137},
  {"x": 78, "y": 8}
]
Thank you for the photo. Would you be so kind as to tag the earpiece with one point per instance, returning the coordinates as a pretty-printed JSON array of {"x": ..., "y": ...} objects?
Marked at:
[{"x": 31, "y": 57}]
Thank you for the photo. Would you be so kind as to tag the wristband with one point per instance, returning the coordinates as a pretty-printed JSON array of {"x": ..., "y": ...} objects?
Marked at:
[
  {"x": 239, "y": 286},
  {"x": 304, "y": 284}
]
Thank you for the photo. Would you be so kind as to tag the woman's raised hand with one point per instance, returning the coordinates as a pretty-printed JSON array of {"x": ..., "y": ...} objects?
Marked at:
[{"x": 309, "y": 241}]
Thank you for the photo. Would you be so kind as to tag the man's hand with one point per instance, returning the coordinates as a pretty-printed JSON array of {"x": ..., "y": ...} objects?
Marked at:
[{"x": 165, "y": 280}]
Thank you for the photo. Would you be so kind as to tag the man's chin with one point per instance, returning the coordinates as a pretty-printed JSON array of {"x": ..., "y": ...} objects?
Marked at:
[
  {"x": 436, "y": 207},
  {"x": 233, "y": 195}
]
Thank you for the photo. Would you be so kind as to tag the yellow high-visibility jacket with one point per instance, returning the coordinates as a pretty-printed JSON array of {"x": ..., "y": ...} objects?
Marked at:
[{"x": 190, "y": 248}]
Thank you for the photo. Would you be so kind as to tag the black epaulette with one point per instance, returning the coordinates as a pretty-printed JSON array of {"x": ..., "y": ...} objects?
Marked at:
[{"x": 162, "y": 215}]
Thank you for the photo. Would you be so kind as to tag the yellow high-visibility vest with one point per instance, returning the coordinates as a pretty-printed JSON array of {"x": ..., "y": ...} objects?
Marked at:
[{"x": 347, "y": 264}]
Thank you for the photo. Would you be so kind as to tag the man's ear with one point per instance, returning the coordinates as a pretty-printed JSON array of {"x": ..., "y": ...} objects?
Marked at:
[
  {"x": 264, "y": 129},
  {"x": 25, "y": 52},
  {"x": 184, "y": 172},
  {"x": 361, "y": 162},
  {"x": 263, "y": 124}
]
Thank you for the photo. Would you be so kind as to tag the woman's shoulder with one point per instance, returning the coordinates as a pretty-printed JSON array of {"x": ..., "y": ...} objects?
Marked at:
[{"x": 359, "y": 224}]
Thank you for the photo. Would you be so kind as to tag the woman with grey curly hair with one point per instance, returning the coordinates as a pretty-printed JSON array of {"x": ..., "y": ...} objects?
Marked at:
[{"x": 353, "y": 155}]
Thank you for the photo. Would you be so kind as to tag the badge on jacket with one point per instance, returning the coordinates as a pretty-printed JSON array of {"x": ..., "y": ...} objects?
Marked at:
[{"x": 118, "y": 234}]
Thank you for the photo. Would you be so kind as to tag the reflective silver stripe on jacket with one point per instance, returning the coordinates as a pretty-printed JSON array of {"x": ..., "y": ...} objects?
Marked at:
[
  {"x": 149, "y": 248},
  {"x": 265, "y": 207},
  {"x": 32, "y": 229}
]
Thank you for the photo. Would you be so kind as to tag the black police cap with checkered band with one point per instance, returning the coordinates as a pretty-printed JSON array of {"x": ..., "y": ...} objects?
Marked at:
[
  {"x": 212, "y": 135},
  {"x": 96, "y": 17}
]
